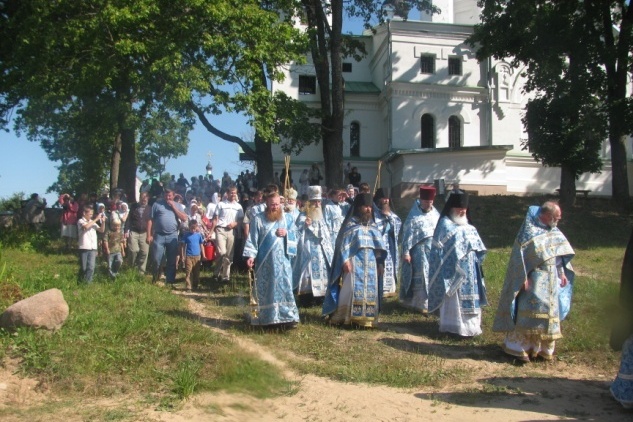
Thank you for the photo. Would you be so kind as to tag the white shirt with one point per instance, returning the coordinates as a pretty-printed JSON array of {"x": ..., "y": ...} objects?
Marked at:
[
  {"x": 87, "y": 239},
  {"x": 228, "y": 212}
]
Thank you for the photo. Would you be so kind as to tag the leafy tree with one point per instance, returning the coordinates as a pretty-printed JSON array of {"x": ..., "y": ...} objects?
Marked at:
[
  {"x": 328, "y": 47},
  {"x": 113, "y": 66},
  {"x": 12, "y": 203},
  {"x": 163, "y": 135},
  {"x": 577, "y": 65}
]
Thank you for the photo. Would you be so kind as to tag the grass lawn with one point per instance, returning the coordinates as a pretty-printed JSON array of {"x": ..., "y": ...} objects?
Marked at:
[{"x": 133, "y": 336}]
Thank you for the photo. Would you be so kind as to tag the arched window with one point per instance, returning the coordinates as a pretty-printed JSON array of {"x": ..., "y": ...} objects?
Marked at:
[
  {"x": 428, "y": 131},
  {"x": 354, "y": 139},
  {"x": 454, "y": 132}
]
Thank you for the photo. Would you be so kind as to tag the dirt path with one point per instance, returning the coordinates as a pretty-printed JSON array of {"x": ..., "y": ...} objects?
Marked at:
[
  {"x": 556, "y": 392},
  {"x": 562, "y": 392}
]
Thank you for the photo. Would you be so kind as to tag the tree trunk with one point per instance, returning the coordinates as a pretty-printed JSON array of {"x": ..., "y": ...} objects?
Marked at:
[
  {"x": 567, "y": 186},
  {"x": 616, "y": 63},
  {"x": 619, "y": 179},
  {"x": 333, "y": 142},
  {"x": 115, "y": 163},
  {"x": 264, "y": 161},
  {"x": 127, "y": 179}
]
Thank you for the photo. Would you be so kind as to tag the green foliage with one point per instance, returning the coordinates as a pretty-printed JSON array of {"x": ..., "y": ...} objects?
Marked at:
[
  {"x": 12, "y": 203},
  {"x": 131, "y": 336},
  {"x": 576, "y": 58},
  {"x": 88, "y": 79},
  {"x": 23, "y": 237},
  {"x": 566, "y": 121},
  {"x": 150, "y": 345},
  {"x": 566, "y": 131},
  {"x": 163, "y": 135}
]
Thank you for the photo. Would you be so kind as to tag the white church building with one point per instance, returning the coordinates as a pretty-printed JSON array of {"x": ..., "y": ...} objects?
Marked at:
[{"x": 422, "y": 105}]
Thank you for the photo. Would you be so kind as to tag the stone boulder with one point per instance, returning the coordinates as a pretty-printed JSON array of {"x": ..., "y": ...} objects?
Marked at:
[{"x": 47, "y": 310}]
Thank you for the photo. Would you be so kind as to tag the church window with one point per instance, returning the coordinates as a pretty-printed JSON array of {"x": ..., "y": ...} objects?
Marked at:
[
  {"x": 307, "y": 84},
  {"x": 454, "y": 132},
  {"x": 454, "y": 66},
  {"x": 427, "y": 64},
  {"x": 354, "y": 139},
  {"x": 428, "y": 131},
  {"x": 347, "y": 67}
]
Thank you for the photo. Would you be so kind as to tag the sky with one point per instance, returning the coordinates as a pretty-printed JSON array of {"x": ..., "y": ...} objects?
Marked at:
[{"x": 25, "y": 167}]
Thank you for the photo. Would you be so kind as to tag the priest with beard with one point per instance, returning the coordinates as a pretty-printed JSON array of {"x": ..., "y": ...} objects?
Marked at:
[
  {"x": 314, "y": 251},
  {"x": 417, "y": 239},
  {"x": 354, "y": 289},
  {"x": 536, "y": 293},
  {"x": 290, "y": 207},
  {"x": 269, "y": 248},
  {"x": 456, "y": 285},
  {"x": 388, "y": 224}
]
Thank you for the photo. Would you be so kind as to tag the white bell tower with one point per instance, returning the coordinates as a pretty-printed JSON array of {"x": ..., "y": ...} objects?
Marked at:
[{"x": 453, "y": 11}]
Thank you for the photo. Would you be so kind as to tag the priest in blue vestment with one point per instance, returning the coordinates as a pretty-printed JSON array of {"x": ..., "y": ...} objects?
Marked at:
[
  {"x": 456, "y": 285},
  {"x": 354, "y": 289},
  {"x": 417, "y": 239},
  {"x": 388, "y": 224},
  {"x": 269, "y": 248},
  {"x": 536, "y": 293},
  {"x": 314, "y": 251}
]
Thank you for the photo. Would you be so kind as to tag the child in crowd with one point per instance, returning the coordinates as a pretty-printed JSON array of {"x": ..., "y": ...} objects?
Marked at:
[
  {"x": 114, "y": 246},
  {"x": 194, "y": 249},
  {"x": 87, "y": 228},
  {"x": 103, "y": 221}
]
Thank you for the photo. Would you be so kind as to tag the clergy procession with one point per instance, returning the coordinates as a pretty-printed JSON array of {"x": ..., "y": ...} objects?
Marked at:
[{"x": 347, "y": 253}]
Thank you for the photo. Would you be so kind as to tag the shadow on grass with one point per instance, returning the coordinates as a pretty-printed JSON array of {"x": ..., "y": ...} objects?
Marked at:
[
  {"x": 561, "y": 397},
  {"x": 220, "y": 323},
  {"x": 461, "y": 349}
]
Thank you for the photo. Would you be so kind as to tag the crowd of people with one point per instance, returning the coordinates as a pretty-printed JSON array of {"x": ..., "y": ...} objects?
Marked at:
[{"x": 345, "y": 250}]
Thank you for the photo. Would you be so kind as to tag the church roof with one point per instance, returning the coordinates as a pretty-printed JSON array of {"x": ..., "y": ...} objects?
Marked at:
[{"x": 361, "y": 88}]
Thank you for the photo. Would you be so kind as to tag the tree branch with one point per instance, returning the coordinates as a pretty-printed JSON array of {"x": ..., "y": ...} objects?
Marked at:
[{"x": 220, "y": 134}]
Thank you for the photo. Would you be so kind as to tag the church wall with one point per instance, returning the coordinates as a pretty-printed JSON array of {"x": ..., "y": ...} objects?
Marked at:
[
  {"x": 361, "y": 71},
  {"x": 365, "y": 110},
  {"x": 488, "y": 114},
  {"x": 409, "y": 45},
  {"x": 466, "y": 12},
  {"x": 446, "y": 15},
  {"x": 507, "y": 125},
  {"x": 526, "y": 175},
  {"x": 480, "y": 171},
  {"x": 412, "y": 101}
]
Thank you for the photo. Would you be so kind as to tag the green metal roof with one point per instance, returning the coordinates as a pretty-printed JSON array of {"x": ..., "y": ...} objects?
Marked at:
[{"x": 361, "y": 87}]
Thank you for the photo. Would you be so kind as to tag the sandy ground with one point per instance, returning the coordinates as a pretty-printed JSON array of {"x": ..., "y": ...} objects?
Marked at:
[{"x": 553, "y": 392}]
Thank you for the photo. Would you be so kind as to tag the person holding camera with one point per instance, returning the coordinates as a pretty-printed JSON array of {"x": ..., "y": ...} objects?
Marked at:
[{"x": 87, "y": 228}]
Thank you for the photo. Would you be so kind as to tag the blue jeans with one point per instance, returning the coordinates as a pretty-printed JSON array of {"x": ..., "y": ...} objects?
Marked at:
[
  {"x": 114, "y": 263},
  {"x": 165, "y": 244},
  {"x": 87, "y": 260}
]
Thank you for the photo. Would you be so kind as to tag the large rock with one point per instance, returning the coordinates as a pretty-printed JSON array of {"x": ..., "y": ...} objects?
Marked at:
[{"x": 47, "y": 309}]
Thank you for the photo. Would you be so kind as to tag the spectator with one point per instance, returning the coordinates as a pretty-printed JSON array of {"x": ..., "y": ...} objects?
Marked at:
[
  {"x": 162, "y": 231},
  {"x": 354, "y": 177},
  {"x": 70, "y": 208},
  {"x": 228, "y": 216},
  {"x": 87, "y": 228},
  {"x": 194, "y": 249},
  {"x": 114, "y": 248},
  {"x": 304, "y": 183},
  {"x": 135, "y": 230},
  {"x": 314, "y": 175},
  {"x": 34, "y": 211}
]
